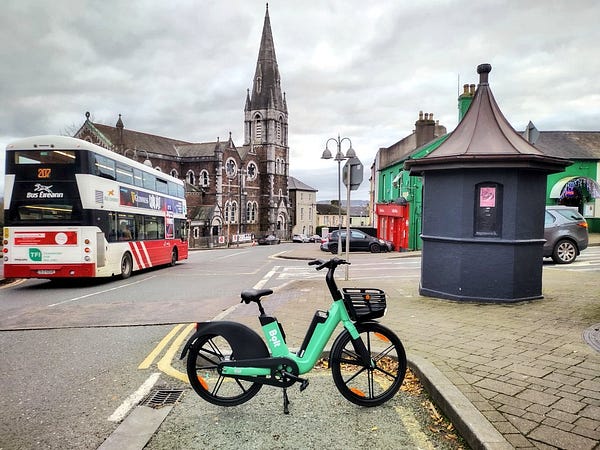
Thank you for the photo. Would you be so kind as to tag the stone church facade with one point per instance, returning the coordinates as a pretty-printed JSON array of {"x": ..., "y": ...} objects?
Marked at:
[{"x": 232, "y": 191}]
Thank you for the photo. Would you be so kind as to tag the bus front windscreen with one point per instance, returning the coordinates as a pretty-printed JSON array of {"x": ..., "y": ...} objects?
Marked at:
[{"x": 44, "y": 190}]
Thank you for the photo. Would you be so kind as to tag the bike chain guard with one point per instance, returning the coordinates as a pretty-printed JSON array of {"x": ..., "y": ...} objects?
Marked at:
[{"x": 284, "y": 371}]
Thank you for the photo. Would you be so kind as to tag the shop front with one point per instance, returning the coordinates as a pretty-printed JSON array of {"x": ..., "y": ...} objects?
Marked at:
[{"x": 393, "y": 224}]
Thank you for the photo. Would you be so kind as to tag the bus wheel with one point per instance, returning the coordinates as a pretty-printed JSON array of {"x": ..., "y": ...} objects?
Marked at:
[
  {"x": 126, "y": 266},
  {"x": 174, "y": 256}
]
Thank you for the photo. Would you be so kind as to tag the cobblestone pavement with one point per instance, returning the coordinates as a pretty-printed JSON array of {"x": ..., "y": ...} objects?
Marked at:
[{"x": 525, "y": 368}]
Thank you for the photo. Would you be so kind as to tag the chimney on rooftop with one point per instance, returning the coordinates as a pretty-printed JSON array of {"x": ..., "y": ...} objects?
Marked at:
[
  {"x": 465, "y": 99},
  {"x": 424, "y": 129}
]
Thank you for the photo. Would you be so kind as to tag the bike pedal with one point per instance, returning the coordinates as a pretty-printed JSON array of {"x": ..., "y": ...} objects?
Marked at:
[
  {"x": 303, "y": 381},
  {"x": 303, "y": 385}
]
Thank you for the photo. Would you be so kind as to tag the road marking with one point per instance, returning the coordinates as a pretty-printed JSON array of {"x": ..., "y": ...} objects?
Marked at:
[
  {"x": 267, "y": 277},
  {"x": 13, "y": 283},
  {"x": 99, "y": 292},
  {"x": 412, "y": 425},
  {"x": 159, "y": 348},
  {"x": 164, "y": 365},
  {"x": 232, "y": 254},
  {"x": 134, "y": 398}
]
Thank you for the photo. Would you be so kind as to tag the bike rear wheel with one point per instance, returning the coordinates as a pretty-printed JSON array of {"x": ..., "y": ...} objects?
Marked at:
[
  {"x": 204, "y": 356},
  {"x": 359, "y": 383}
]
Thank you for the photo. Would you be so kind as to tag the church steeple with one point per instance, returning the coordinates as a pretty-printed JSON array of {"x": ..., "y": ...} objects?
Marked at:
[
  {"x": 266, "y": 90},
  {"x": 266, "y": 136}
]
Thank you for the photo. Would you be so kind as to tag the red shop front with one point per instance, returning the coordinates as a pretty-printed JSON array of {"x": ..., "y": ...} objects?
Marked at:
[{"x": 392, "y": 224}]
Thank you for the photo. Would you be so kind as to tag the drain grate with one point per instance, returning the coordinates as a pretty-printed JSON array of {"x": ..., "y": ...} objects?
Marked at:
[
  {"x": 158, "y": 398},
  {"x": 591, "y": 335}
]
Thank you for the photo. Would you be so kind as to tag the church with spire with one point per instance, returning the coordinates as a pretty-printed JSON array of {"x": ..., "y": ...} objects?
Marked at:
[{"x": 232, "y": 191}]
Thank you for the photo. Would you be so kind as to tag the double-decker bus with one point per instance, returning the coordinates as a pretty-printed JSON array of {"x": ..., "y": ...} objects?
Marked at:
[{"x": 74, "y": 209}]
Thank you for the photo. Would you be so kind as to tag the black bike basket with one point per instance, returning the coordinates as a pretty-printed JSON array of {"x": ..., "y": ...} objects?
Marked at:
[{"x": 364, "y": 303}]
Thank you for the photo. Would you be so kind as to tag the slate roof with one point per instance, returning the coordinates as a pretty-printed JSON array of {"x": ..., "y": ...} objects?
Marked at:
[
  {"x": 135, "y": 139},
  {"x": 570, "y": 144},
  {"x": 296, "y": 184},
  {"x": 160, "y": 145}
]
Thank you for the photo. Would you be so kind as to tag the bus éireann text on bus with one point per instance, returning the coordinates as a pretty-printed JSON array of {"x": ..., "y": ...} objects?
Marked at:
[{"x": 74, "y": 209}]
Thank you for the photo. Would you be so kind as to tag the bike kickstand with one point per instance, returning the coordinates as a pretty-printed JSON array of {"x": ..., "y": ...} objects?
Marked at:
[{"x": 286, "y": 402}]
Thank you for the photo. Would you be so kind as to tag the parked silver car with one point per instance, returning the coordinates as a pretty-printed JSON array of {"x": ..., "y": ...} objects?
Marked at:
[{"x": 566, "y": 234}]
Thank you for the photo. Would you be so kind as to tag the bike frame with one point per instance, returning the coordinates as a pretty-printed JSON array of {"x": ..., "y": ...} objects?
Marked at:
[{"x": 317, "y": 336}]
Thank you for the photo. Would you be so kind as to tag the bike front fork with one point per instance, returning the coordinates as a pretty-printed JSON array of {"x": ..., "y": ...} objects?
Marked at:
[{"x": 361, "y": 350}]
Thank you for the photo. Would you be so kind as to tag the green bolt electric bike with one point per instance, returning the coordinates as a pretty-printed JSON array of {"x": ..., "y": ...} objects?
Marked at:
[{"x": 228, "y": 362}]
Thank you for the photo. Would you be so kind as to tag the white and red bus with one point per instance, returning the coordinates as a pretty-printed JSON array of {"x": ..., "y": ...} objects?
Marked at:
[{"x": 74, "y": 209}]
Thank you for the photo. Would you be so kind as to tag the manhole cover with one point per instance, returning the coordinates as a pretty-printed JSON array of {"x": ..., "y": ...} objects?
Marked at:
[
  {"x": 591, "y": 335},
  {"x": 162, "y": 397}
]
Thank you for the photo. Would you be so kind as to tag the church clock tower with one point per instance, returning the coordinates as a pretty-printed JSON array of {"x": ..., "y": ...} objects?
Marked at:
[{"x": 266, "y": 136}]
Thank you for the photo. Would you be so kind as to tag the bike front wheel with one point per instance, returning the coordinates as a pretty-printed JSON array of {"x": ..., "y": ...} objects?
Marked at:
[
  {"x": 368, "y": 385},
  {"x": 204, "y": 356}
]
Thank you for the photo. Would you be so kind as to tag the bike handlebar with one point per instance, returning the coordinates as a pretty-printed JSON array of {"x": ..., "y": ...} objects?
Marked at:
[{"x": 331, "y": 266}]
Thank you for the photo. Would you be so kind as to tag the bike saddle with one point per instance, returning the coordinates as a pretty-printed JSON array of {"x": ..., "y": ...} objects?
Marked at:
[{"x": 254, "y": 295}]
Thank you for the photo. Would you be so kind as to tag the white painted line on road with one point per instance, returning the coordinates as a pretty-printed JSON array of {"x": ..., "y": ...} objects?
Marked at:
[
  {"x": 267, "y": 277},
  {"x": 258, "y": 285},
  {"x": 134, "y": 398},
  {"x": 232, "y": 254},
  {"x": 99, "y": 292}
]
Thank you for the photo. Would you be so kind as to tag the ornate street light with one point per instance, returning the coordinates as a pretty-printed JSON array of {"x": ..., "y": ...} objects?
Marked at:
[{"x": 339, "y": 157}]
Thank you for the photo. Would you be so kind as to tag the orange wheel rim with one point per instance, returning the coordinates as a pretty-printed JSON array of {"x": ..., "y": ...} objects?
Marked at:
[
  {"x": 358, "y": 392},
  {"x": 203, "y": 383},
  {"x": 381, "y": 337}
]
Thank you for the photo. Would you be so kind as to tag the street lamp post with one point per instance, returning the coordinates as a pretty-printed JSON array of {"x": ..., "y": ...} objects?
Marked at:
[{"x": 339, "y": 157}]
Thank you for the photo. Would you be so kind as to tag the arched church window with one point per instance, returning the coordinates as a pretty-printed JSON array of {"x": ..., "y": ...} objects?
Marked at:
[
  {"x": 204, "y": 180},
  {"x": 190, "y": 177},
  {"x": 251, "y": 211},
  {"x": 174, "y": 173},
  {"x": 233, "y": 212},
  {"x": 258, "y": 128}
]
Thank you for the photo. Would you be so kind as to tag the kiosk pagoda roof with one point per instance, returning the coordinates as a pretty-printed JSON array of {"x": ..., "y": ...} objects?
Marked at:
[{"x": 485, "y": 138}]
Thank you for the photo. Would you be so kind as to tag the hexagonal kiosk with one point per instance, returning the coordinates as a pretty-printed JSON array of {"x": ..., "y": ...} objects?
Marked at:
[{"x": 483, "y": 208}]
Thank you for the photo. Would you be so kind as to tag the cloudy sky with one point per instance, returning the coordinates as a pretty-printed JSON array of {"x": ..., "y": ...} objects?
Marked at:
[{"x": 181, "y": 68}]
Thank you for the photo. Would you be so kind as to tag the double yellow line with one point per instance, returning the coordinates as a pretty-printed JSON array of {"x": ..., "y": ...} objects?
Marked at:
[{"x": 164, "y": 363}]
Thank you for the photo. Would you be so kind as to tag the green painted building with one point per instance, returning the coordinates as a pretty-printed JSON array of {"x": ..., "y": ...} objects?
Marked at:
[{"x": 398, "y": 196}]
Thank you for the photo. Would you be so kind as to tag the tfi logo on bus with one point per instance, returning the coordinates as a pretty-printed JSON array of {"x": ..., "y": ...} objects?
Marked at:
[
  {"x": 43, "y": 191},
  {"x": 35, "y": 254}
]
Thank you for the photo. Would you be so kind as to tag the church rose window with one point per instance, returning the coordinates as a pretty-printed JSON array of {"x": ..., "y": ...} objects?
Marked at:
[
  {"x": 231, "y": 168},
  {"x": 252, "y": 170}
]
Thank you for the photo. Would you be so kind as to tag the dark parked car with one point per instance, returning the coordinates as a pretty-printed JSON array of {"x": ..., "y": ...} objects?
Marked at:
[
  {"x": 359, "y": 241},
  {"x": 566, "y": 234},
  {"x": 269, "y": 239}
]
